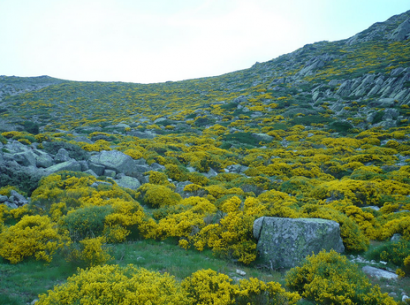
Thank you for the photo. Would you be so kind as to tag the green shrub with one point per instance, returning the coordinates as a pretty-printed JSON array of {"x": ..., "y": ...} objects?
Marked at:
[
  {"x": 3, "y": 140},
  {"x": 31, "y": 127},
  {"x": 242, "y": 137},
  {"x": 308, "y": 120},
  {"x": 87, "y": 222},
  {"x": 378, "y": 117},
  {"x": 341, "y": 126}
]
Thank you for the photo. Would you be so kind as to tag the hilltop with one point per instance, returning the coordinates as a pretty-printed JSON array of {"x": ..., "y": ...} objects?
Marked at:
[{"x": 322, "y": 132}]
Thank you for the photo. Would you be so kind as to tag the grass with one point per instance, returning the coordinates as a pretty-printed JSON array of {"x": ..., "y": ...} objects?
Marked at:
[{"x": 22, "y": 283}]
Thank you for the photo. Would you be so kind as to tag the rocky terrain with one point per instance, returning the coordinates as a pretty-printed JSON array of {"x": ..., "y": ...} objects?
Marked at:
[{"x": 317, "y": 140}]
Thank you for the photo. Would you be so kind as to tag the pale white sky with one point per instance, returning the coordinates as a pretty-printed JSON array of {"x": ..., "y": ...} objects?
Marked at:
[{"x": 149, "y": 41}]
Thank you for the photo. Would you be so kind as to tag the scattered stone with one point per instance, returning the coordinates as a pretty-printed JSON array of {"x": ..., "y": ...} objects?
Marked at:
[
  {"x": 211, "y": 173},
  {"x": 128, "y": 182},
  {"x": 109, "y": 173},
  {"x": 396, "y": 237},
  {"x": 240, "y": 272},
  {"x": 25, "y": 158},
  {"x": 114, "y": 160},
  {"x": 3, "y": 198},
  {"x": 97, "y": 183},
  {"x": 62, "y": 156},
  {"x": 157, "y": 167},
  {"x": 379, "y": 273},
  {"x": 18, "y": 199},
  {"x": 43, "y": 159},
  {"x": 71, "y": 165}
]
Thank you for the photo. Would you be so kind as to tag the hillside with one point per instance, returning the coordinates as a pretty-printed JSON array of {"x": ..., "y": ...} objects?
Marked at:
[{"x": 322, "y": 132}]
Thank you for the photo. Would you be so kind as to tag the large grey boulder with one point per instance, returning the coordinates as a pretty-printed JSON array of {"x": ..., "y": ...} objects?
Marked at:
[
  {"x": 285, "y": 242},
  {"x": 62, "y": 156},
  {"x": 114, "y": 160},
  {"x": 25, "y": 158},
  {"x": 43, "y": 159},
  {"x": 71, "y": 165},
  {"x": 128, "y": 182}
]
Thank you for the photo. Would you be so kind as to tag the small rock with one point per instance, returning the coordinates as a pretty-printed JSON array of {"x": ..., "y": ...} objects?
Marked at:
[
  {"x": 62, "y": 156},
  {"x": 240, "y": 272},
  {"x": 395, "y": 237},
  {"x": 97, "y": 183},
  {"x": 19, "y": 199},
  {"x": 404, "y": 298},
  {"x": 379, "y": 273}
]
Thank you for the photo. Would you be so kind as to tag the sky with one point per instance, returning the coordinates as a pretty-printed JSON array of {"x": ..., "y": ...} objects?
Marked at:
[{"x": 150, "y": 41}]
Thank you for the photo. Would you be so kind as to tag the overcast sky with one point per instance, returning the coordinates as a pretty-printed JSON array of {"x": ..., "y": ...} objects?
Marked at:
[{"x": 148, "y": 41}]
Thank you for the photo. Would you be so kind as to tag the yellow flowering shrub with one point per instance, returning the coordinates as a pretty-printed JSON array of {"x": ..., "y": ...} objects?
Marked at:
[
  {"x": 158, "y": 178},
  {"x": 367, "y": 223},
  {"x": 126, "y": 218},
  {"x": 198, "y": 178},
  {"x": 99, "y": 145},
  {"x": 330, "y": 278},
  {"x": 158, "y": 195},
  {"x": 192, "y": 188},
  {"x": 111, "y": 284},
  {"x": 397, "y": 225},
  {"x": 255, "y": 291},
  {"x": 209, "y": 287},
  {"x": 176, "y": 172},
  {"x": 232, "y": 236},
  {"x": 353, "y": 238},
  {"x": 91, "y": 251},
  {"x": 181, "y": 224},
  {"x": 134, "y": 153},
  {"x": 32, "y": 236}
]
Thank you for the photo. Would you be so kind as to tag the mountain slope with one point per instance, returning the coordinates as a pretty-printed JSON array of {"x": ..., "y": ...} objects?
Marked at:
[{"x": 369, "y": 69}]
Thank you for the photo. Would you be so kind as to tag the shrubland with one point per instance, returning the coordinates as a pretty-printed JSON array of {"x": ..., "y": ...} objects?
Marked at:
[{"x": 266, "y": 141}]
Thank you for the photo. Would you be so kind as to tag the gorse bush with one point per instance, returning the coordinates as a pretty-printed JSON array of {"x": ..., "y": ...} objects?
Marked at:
[
  {"x": 158, "y": 195},
  {"x": 211, "y": 287},
  {"x": 90, "y": 251},
  {"x": 329, "y": 278},
  {"x": 111, "y": 284},
  {"x": 32, "y": 236}
]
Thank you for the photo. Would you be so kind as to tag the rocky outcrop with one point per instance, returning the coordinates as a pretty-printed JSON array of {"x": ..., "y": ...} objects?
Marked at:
[
  {"x": 285, "y": 242},
  {"x": 402, "y": 32},
  {"x": 114, "y": 160}
]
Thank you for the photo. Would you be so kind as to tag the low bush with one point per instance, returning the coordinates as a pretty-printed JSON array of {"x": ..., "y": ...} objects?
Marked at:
[
  {"x": 32, "y": 236},
  {"x": 330, "y": 278},
  {"x": 111, "y": 284},
  {"x": 85, "y": 222}
]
